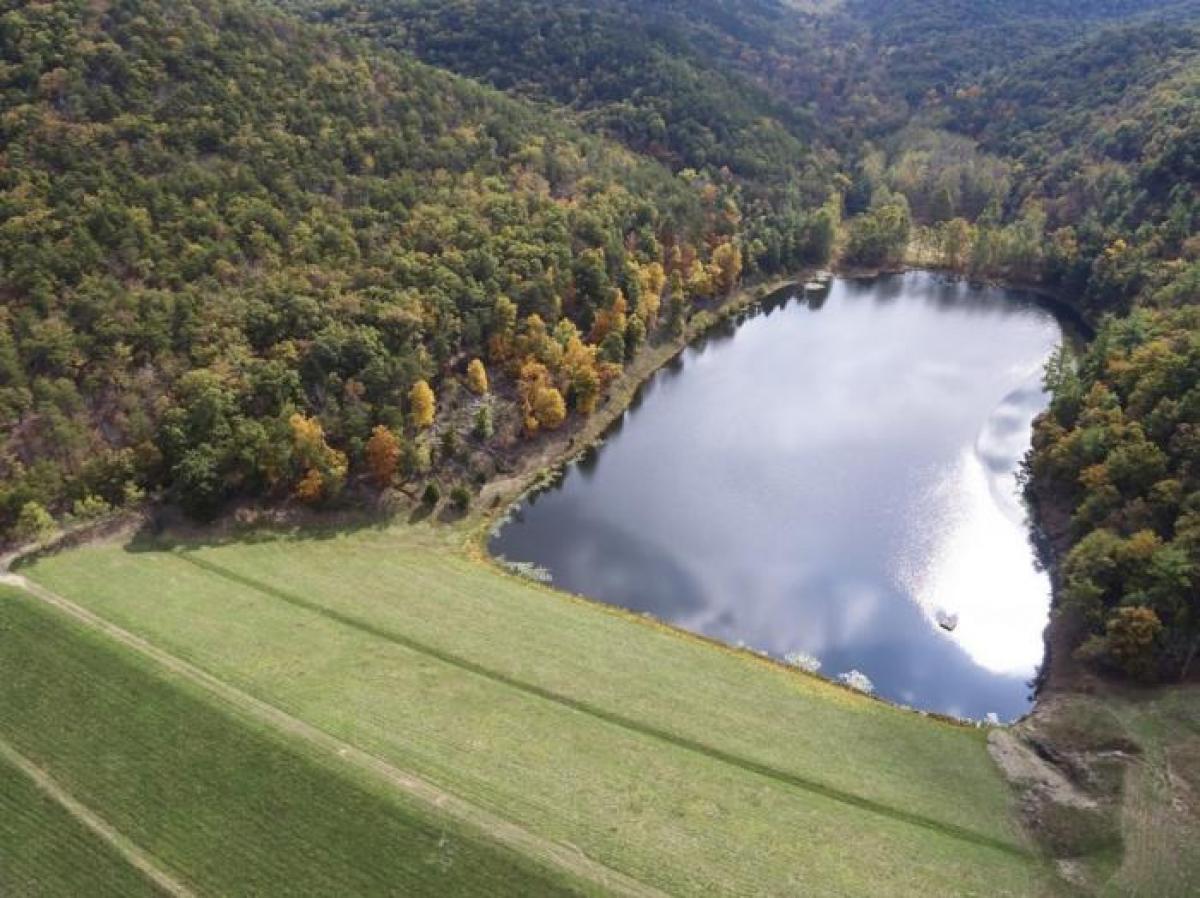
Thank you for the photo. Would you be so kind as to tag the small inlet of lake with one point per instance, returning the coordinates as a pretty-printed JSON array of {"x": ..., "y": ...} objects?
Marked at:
[{"x": 832, "y": 479}]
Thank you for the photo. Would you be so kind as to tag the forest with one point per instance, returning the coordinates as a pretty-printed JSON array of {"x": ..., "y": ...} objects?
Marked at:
[
  {"x": 312, "y": 249},
  {"x": 234, "y": 248}
]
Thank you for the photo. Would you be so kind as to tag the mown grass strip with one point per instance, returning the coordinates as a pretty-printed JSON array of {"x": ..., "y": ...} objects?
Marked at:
[
  {"x": 45, "y": 852},
  {"x": 508, "y": 834},
  {"x": 603, "y": 714},
  {"x": 97, "y": 824},
  {"x": 225, "y": 802}
]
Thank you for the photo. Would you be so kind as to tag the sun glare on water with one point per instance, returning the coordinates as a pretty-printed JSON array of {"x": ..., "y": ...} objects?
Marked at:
[{"x": 978, "y": 570}]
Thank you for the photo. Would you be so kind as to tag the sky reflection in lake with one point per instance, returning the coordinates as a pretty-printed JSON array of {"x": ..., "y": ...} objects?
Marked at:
[{"x": 826, "y": 478}]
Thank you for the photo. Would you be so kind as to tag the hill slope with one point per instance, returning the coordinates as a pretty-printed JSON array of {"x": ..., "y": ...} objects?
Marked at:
[
  {"x": 212, "y": 218},
  {"x": 688, "y": 768}
]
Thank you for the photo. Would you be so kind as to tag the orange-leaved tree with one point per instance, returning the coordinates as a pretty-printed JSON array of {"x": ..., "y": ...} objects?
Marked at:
[{"x": 383, "y": 455}]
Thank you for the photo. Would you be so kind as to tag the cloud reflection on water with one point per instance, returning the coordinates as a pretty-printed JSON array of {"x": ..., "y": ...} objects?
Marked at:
[{"x": 825, "y": 481}]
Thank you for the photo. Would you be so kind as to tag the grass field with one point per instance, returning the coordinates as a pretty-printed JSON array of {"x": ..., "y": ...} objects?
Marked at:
[
  {"x": 1139, "y": 753},
  {"x": 44, "y": 851},
  {"x": 692, "y": 769},
  {"x": 1160, "y": 811},
  {"x": 225, "y": 807}
]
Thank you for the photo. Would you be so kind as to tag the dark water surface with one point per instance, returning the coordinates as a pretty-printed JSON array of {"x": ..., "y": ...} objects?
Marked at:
[{"x": 828, "y": 478}]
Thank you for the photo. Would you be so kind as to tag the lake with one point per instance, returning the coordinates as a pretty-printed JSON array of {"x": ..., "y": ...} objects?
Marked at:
[{"x": 834, "y": 476}]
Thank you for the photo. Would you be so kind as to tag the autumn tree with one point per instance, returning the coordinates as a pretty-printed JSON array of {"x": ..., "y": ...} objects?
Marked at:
[
  {"x": 581, "y": 375},
  {"x": 700, "y": 280},
  {"x": 549, "y": 408},
  {"x": 535, "y": 341},
  {"x": 651, "y": 280},
  {"x": 383, "y": 455},
  {"x": 611, "y": 319},
  {"x": 323, "y": 467},
  {"x": 677, "y": 305},
  {"x": 477, "y": 379},
  {"x": 542, "y": 404},
  {"x": 727, "y": 266},
  {"x": 311, "y": 487},
  {"x": 422, "y": 405}
]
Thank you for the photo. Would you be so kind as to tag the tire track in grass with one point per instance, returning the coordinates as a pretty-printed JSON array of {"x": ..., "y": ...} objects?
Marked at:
[
  {"x": 629, "y": 724},
  {"x": 563, "y": 856},
  {"x": 137, "y": 858}
]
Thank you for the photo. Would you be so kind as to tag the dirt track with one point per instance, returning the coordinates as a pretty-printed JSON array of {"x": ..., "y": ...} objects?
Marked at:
[
  {"x": 146, "y": 864},
  {"x": 565, "y": 857}
]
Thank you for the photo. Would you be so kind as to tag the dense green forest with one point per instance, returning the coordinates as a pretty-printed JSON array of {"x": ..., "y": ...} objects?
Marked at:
[
  {"x": 649, "y": 75},
  {"x": 627, "y": 69},
  {"x": 232, "y": 246},
  {"x": 282, "y": 249},
  {"x": 1120, "y": 447}
]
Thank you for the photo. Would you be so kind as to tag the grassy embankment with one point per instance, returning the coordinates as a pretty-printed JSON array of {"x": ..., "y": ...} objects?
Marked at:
[
  {"x": 691, "y": 769},
  {"x": 44, "y": 851},
  {"x": 217, "y": 802}
]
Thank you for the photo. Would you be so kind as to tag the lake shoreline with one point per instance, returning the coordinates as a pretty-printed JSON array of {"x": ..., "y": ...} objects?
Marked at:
[
  {"x": 555, "y": 453},
  {"x": 509, "y": 494}
]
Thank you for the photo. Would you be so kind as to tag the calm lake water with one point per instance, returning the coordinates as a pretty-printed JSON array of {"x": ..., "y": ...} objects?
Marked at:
[{"x": 829, "y": 477}]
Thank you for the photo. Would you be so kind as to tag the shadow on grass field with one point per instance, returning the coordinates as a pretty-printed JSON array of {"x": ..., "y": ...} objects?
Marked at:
[
  {"x": 227, "y": 806},
  {"x": 688, "y": 768},
  {"x": 636, "y": 726}
]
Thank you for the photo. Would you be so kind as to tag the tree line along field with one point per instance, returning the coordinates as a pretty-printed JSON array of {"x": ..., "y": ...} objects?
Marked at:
[{"x": 674, "y": 765}]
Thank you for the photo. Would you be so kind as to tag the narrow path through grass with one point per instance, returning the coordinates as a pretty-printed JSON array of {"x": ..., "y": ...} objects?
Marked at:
[
  {"x": 618, "y": 720},
  {"x": 567, "y": 858},
  {"x": 138, "y": 858}
]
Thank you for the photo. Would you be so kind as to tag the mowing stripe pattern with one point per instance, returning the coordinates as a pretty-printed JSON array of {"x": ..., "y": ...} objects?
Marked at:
[
  {"x": 626, "y": 723},
  {"x": 94, "y": 822},
  {"x": 565, "y": 857}
]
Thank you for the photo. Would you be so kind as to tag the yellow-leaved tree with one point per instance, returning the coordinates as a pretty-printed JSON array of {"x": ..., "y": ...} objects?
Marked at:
[
  {"x": 549, "y": 407},
  {"x": 699, "y": 281},
  {"x": 579, "y": 369},
  {"x": 422, "y": 405},
  {"x": 542, "y": 405},
  {"x": 726, "y": 266},
  {"x": 651, "y": 279},
  {"x": 477, "y": 379},
  {"x": 324, "y": 468}
]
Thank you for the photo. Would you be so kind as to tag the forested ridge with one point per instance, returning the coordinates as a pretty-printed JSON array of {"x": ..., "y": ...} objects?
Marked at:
[
  {"x": 234, "y": 247},
  {"x": 278, "y": 249}
]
